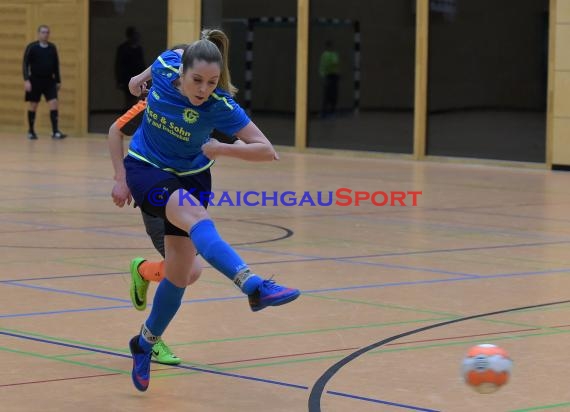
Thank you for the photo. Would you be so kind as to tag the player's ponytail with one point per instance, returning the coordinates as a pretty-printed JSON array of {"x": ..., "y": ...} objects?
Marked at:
[
  {"x": 213, "y": 47},
  {"x": 222, "y": 42}
]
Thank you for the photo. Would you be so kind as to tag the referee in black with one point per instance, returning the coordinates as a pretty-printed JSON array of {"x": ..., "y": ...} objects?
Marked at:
[{"x": 41, "y": 77}]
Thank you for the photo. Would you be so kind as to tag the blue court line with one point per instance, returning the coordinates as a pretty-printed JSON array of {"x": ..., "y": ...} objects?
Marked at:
[
  {"x": 54, "y": 195},
  {"x": 346, "y": 258},
  {"x": 64, "y": 277},
  {"x": 122, "y": 355},
  {"x": 423, "y": 252},
  {"x": 57, "y": 312},
  {"x": 213, "y": 372},
  {"x": 398, "y": 405},
  {"x": 66, "y": 292},
  {"x": 395, "y": 220},
  {"x": 71, "y": 228},
  {"x": 324, "y": 290},
  {"x": 419, "y": 282},
  {"x": 405, "y": 267},
  {"x": 479, "y": 212},
  {"x": 129, "y": 306}
]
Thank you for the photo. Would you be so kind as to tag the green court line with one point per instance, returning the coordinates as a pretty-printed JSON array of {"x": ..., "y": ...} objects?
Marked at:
[
  {"x": 55, "y": 358},
  {"x": 309, "y": 331},
  {"x": 302, "y": 332},
  {"x": 71, "y": 341},
  {"x": 380, "y": 351},
  {"x": 76, "y": 342},
  {"x": 390, "y": 350},
  {"x": 221, "y": 340},
  {"x": 527, "y": 325},
  {"x": 449, "y": 315},
  {"x": 472, "y": 341},
  {"x": 418, "y": 347},
  {"x": 127, "y": 256},
  {"x": 540, "y": 408},
  {"x": 71, "y": 355},
  {"x": 380, "y": 305},
  {"x": 61, "y": 358},
  {"x": 406, "y": 308}
]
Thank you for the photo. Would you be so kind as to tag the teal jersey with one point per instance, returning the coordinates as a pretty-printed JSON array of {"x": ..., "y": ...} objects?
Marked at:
[
  {"x": 329, "y": 63},
  {"x": 173, "y": 129}
]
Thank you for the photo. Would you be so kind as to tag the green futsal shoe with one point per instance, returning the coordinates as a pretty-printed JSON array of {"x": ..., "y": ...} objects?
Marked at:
[
  {"x": 162, "y": 354},
  {"x": 139, "y": 286}
]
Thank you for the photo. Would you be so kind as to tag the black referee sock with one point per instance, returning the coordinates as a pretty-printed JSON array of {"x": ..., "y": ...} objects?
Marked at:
[
  {"x": 31, "y": 120},
  {"x": 53, "y": 117}
]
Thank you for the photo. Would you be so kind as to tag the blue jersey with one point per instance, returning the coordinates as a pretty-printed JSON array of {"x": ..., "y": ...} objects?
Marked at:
[{"x": 173, "y": 129}]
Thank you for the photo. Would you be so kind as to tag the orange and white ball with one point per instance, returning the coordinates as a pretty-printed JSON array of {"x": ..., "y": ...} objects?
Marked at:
[{"x": 486, "y": 368}]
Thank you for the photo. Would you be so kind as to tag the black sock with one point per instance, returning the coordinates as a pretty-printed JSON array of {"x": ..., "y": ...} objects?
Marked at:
[
  {"x": 53, "y": 117},
  {"x": 31, "y": 120}
]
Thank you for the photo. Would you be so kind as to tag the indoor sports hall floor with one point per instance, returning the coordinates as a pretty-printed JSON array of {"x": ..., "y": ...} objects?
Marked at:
[{"x": 482, "y": 239}]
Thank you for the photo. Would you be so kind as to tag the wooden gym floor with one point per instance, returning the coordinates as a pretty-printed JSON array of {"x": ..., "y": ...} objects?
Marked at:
[{"x": 482, "y": 239}]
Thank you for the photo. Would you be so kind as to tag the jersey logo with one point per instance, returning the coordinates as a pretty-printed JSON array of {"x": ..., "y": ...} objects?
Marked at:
[
  {"x": 190, "y": 115},
  {"x": 155, "y": 95}
]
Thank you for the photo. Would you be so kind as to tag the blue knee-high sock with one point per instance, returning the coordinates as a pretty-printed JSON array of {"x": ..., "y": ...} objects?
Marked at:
[
  {"x": 166, "y": 302},
  {"x": 221, "y": 256}
]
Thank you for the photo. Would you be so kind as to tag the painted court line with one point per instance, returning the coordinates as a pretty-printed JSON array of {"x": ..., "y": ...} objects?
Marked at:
[
  {"x": 399, "y": 405},
  {"x": 323, "y": 290},
  {"x": 66, "y": 292},
  {"x": 214, "y": 372}
]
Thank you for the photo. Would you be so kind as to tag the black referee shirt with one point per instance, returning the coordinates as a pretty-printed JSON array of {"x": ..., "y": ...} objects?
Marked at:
[{"x": 41, "y": 62}]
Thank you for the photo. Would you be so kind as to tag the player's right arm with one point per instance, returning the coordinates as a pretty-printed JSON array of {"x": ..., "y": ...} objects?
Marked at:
[
  {"x": 126, "y": 125},
  {"x": 120, "y": 193}
]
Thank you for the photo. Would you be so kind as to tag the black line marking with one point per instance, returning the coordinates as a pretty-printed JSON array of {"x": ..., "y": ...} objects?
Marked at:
[
  {"x": 288, "y": 234},
  {"x": 319, "y": 386}
]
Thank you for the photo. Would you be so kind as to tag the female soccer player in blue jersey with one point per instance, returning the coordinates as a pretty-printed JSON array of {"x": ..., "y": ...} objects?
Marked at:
[{"x": 168, "y": 163}]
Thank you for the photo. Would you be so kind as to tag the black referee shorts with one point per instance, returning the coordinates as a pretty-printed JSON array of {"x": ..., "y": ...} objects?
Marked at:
[{"x": 47, "y": 87}]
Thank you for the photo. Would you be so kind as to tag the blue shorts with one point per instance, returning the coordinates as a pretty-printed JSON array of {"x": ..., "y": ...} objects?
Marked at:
[{"x": 151, "y": 187}]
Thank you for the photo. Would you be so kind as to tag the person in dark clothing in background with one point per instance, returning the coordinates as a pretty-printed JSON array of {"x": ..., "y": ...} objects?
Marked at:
[
  {"x": 41, "y": 77},
  {"x": 129, "y": 61}
]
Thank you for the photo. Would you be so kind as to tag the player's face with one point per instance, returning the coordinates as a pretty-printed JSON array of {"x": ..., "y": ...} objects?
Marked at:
[{"x": 199, "y": 81}]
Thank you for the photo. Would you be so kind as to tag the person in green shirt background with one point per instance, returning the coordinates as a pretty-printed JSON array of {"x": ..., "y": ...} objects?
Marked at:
[{"x": 329, "y": 72}]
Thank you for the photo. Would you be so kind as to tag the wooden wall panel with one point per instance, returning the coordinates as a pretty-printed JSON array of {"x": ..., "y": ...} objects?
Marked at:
[
  {"x": 559, "y": 92},
  {"x": 562, "y": 61},
  {"x": 184, "y": 21},
  {"x": 67, "y": 20},
  {"x": 562, "y": 139},
  {"x": 563, "y": 11},
  {"x": 14, "y": 22}
]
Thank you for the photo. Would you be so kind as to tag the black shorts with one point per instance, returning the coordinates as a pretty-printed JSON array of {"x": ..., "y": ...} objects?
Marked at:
[
  {"x": 47, "y": 87},
  {"x": 151, "y": 187}
]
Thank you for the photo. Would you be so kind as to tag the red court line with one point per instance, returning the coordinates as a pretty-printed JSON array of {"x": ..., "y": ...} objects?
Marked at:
[
  {"x": 59, "y": 379},
  {"x": 72, "y": 378},
  {"x": 390, "y": 344},
  {"x": 298, "y": 354}
]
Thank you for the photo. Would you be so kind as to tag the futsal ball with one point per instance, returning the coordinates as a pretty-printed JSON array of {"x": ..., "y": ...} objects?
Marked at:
[{"x": 486, "y": 368}]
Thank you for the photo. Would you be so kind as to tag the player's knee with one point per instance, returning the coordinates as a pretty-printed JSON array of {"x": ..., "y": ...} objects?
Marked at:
[{"x": 195, "y": 272}]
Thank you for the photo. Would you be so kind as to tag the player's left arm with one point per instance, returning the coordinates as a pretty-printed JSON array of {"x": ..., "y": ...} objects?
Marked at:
[
  {"x": 138, "y": 83},
  {"x": 255, "y": 147}
]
